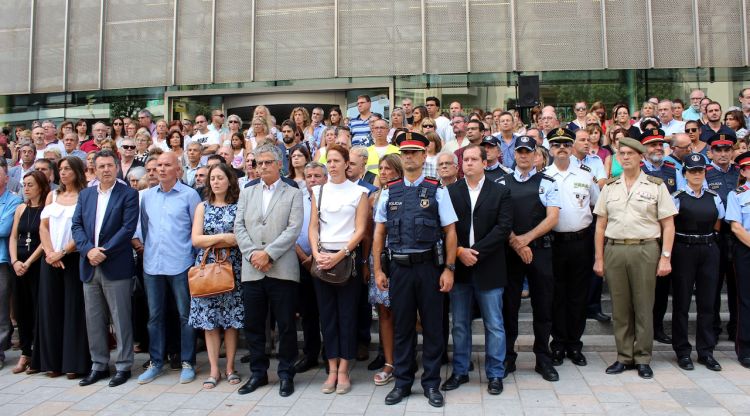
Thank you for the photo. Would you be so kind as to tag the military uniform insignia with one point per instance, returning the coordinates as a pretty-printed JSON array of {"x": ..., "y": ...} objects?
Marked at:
[
  {"x": 424, "y": 203},
  {"x": 560, "y": 132},
  {"x": 741, "y": 189},
  {"x": 612, "y": 180},
  {"x": 586, "y": 168},
  {"x": 670, "y": 181},
  {"x": 674, "y": 194},
  {"x": 654, "y": 179},
  {"x": 695, "y": 158},
  {"x": 541, "y": 190}
]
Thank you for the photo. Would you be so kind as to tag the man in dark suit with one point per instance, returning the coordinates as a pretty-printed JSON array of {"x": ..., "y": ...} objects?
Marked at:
[
  {"x": 103, "y": 225},
  {"x": 483, "y": 227}
]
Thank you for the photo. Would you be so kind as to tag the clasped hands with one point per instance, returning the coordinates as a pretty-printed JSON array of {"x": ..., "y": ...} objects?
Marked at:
[
  {"x": 261, "y": 260},
  {"x": 520, "y": 243}
]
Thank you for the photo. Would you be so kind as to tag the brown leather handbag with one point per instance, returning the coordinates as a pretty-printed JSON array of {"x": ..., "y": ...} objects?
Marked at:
[
  {"x": 211, "y": 279},
  {"x": 340, "y": 273}
]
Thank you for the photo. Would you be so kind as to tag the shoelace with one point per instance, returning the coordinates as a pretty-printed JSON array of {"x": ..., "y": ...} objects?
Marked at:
[{"x": 186, "y": 365}]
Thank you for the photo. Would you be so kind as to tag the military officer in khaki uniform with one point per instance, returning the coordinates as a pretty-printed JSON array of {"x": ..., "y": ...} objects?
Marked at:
[{"x": 635, "y": 213}]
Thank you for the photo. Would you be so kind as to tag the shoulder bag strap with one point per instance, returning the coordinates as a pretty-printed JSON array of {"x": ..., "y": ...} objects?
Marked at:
[{"x": 317, "y": 203}]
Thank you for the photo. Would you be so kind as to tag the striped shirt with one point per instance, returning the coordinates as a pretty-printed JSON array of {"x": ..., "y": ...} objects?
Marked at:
[{"x": 360, "y": 131}]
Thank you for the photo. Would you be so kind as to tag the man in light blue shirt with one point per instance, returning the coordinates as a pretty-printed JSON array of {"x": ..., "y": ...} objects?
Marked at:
[
  {"x": 8, "y": 204},
  {"x": 166, "y": 223},
  {"x": 693, "y": 112}
]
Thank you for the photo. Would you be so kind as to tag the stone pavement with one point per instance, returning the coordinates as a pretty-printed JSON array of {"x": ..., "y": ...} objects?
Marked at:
[{"x": 582, "y": 390}]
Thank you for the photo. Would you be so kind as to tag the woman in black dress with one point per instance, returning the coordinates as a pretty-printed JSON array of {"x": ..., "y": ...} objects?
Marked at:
[
  {"x": 25, "y": 254},
  {"x": 63, "y": 343}
]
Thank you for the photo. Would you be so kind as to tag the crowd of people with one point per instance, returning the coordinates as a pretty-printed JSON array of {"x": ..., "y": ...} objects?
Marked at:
[{"x": 411, "y": 217}]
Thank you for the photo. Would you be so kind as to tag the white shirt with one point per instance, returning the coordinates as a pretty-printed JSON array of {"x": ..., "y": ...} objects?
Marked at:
[
  {"x": 673, "y": 127},
  {"x": 578, "y": 193},
  {"x": 102, "y": 200},
  {"x": 473, "y": 195},
  {"x": 444, "y": 129},
  {"x": 593, "y": 162},
  {"x": 209, "y": 138},
  {"x": 338, "y": 212},
  {"x": 268, "y": 193}
]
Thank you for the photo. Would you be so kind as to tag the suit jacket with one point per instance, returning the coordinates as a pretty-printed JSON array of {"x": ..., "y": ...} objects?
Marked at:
[
  {"x": 493, "y": 219},
  {"x": 285, "y": 179},
  {"x": 123, "y": 175},
  {"x": 275, "y": 232},
  {"x": 118, "y": 226}
]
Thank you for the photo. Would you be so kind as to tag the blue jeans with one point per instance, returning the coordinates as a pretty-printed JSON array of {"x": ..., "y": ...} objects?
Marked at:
[
  {"x": 156, "y": 286},
  {"x": 491, "y": 306}
]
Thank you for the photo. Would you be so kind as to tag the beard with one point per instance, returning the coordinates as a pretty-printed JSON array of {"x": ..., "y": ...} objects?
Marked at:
[
  {"x": 655, "y": 158},
  {"x": 288, "y": 140}
]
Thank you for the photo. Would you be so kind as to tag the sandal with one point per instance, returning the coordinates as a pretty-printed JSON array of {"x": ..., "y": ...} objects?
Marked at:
[
  {"x": 211, "y": 383},
  {"x": 233, "y": 378},
  {"x": 382, "y": 378},
  {"x": 23, "y": 365}
]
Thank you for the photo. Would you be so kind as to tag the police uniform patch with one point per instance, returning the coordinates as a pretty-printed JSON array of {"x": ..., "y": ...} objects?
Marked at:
[
  {"x": 670, "y": 181},
  {"x": 696, "y": 158},
  {"x": 424, "y": 203},
  {"x": 541, "y": 190}
]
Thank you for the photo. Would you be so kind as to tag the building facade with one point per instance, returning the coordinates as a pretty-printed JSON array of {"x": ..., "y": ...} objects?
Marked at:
[{"x": 102, "y": 58}]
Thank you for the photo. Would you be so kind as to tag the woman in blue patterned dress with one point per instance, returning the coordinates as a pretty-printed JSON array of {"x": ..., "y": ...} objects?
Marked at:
[{"x": 213, "y": 226}]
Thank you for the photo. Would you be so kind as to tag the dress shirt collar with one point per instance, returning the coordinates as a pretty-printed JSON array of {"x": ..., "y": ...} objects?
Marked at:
[
  {"x": 479, "y": 185},
  {"x": 519, "y": 178},
  {"x": 415, "y": 183},
  {"x": 271, "y": 187},
  {"x": 107, "y": 191},
  {"x": 176, "y": 188},
  {"x": 651, "y": 166},
  {"x": 717, "y": 167},
  {"x": 493, "y": 167},
  {"x": 688, "y": 190}
]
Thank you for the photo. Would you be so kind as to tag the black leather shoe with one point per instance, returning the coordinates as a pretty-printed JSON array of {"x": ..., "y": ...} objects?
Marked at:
[
  {"x": 377, "y": 363},
  {"x": 495, "y": 386},
  {"x": 557, "y": 357},
  {"x": 510, "y": 366},
  {"x": 93, "y": 377},
  {"x": 710, "y": 363},
  {"x": 286, "y": 387},
  {"x": 434, "y": 397},
  {"x": 618, "y": 368},
  {"x": 454, "y": 382},
  {"x": 745, "y": 362},
  {"x": 577, "y": 358},
  {"x": 547, "y": 371},
  {"x": 599, "y": 317},
  {"x": 396, "y": 395},
  {"x": 644, "y": 371},
  {"x": 660, "y": 336},
  {"x": 120, "y": 378},
  {"x": 304, "y": 364},
  {"x": 685, "y": 363},
  {"x": 253, "y": 384},
  {"x": 245, "y": 359}
]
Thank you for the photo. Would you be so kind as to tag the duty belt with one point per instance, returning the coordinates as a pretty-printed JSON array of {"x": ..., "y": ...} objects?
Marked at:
[
  {"x": 572, "y": 236},
  {"x": 408, "y": 259},
  {"x": 629, "y": 241},
  {"x": 695, "y": 238}
]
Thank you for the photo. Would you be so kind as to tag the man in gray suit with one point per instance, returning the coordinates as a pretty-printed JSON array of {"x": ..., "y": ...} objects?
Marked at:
[{"x": 269, "y": 219}]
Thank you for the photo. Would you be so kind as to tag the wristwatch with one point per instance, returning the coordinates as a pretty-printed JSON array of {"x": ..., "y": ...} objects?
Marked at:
[
  {"x": 347, "y": 253},
  {"x": 451, "y": 267},
  {"x": 666, "y": 254}
]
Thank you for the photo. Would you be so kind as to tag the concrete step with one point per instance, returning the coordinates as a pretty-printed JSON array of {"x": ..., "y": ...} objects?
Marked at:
[{"x": 607, "y": 304}]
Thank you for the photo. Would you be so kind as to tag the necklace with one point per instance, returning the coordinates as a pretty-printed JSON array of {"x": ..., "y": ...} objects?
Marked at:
[{"x": 28, "y": 227}]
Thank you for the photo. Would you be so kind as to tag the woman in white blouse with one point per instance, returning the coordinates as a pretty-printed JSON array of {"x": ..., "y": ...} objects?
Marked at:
[
  {"x": 62, "y": 344},
  {"x": 334, "y": 236}
]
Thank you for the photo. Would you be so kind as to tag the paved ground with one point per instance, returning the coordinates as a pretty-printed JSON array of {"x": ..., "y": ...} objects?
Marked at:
[{"x": 581, "y": 390}]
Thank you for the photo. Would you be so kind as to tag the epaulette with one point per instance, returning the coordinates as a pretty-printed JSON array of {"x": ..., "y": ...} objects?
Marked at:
[
  {"x": 712, "y": 192},
  {"x": 586, "y": 168},
  {"x": 547, "y": 177},
  {"x": 654, "y": 179},
  {"x": 612, "y": 180},
  {"x": 668, "y": 163},
  {"x": 675, "y": 193},
  {"x": 395, "y": 181},
  {"x": 430, "y": 179},
  {"x": 741, "y": 189},
  {"x": 643, "y": 163},
  {"x": 709, "y": 167}
]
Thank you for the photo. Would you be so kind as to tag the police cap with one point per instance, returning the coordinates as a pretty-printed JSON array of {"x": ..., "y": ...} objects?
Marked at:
[
  {"x": 411, "y": 141},
  {"x": 721, "y": 140},
  {"x": 652, "y": 136},
  {"x": 694, "y": 161},
  {"x": 743, "y": 160},
  {"x": 526, "y": 142},
  {"x": 561, "y": 135},
  {"x": 491, "y": 141}
]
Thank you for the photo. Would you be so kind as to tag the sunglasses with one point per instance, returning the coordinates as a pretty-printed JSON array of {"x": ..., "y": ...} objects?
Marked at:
[
  {"x": 128, "y": 147},
  {"x": 219, "y": 115},
  {"x": 234, "y": 122},
  {"x": 432, "y": 126},
  {"x": 117, "y": 124},
  {"x": 563, "y": 145},
  {"x": 581, "y": 109},
  {"x": 691, "y": 130}
]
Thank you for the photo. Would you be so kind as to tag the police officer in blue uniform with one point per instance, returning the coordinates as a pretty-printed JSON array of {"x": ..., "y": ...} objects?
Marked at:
[
  {"x": 738, "y": 216},
  {"x": 654, "y": 164},
  {"x": 721, "y": 177},
  {"x": 536, "y": 208},
  {"x": 695, "y": 263},
  {"x": 416, "y": 215}
]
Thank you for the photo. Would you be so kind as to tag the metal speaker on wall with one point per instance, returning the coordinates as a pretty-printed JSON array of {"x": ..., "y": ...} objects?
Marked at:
[{"x": 528, "y": 90}]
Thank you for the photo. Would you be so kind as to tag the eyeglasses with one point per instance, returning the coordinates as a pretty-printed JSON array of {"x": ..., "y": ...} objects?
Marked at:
[
  {"x": 580, "y": 108},
  {"x": 219, "y": 115},
  {"x": 117, "y": 124},
  {"x": 562, "y": 145},
  {"x": 264, "y": 162},
  {"x": 128, "y": 147},
  {"x": 432, "y": 126},
  {"x": 691, "y": 130},
  {"x": 444, "y": 164}
]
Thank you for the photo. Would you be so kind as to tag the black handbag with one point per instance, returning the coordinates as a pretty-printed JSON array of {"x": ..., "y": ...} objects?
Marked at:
[{"x": 343, "y": 270}]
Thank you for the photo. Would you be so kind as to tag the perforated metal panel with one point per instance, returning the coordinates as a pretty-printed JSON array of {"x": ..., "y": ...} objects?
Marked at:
[
  {"x": 490, "y": 34},
  {"x": 445, "y": 22},
  {"x": 83, "y": 45},
  {"x": 14, "y": 45},
  {"x": 383, "y": 38},
  {"x": 194, "y": 41},
  {"x": 558, "y": 35},
  {"x": 673, "y": 42},
  {"x": 720, "y": 27},
  {"x": 234, "y": 28},
  {"x": 294, "y": 40},
  {"x": 138, "y": 39},
  {"x": 49, "y": 42},
  {"x": 627, "y": 37}
]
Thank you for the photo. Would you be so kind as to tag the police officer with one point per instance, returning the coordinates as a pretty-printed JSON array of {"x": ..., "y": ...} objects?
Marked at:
[
  {"x": 494, "y": 170},
  {"x": 721, "y": 177},
  {"x": 414, "y": 213},
  {"x": 634, "y": 210},
  {"x": 654, "y": 164},
  {"x": 695, "y": 263},
  {"x": 582, "y": 156},
  {"x": 738, "y": 216},
  {"x": 536, "y": 207},
  {"x": 572, "y": 249}
]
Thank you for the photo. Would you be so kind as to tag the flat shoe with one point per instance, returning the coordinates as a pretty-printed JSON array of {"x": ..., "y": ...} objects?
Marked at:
[
  {"x": 234, "y": 378},
  {"x": 210, "y": 383},
  {"x": 328, "y": 388}
]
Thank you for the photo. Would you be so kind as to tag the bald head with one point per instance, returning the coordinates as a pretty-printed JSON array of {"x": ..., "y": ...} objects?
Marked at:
[
  {"x": 680, "y": 145},
  {"x": 168, "y": 169},
  {"x": 226, "y": 153}
]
